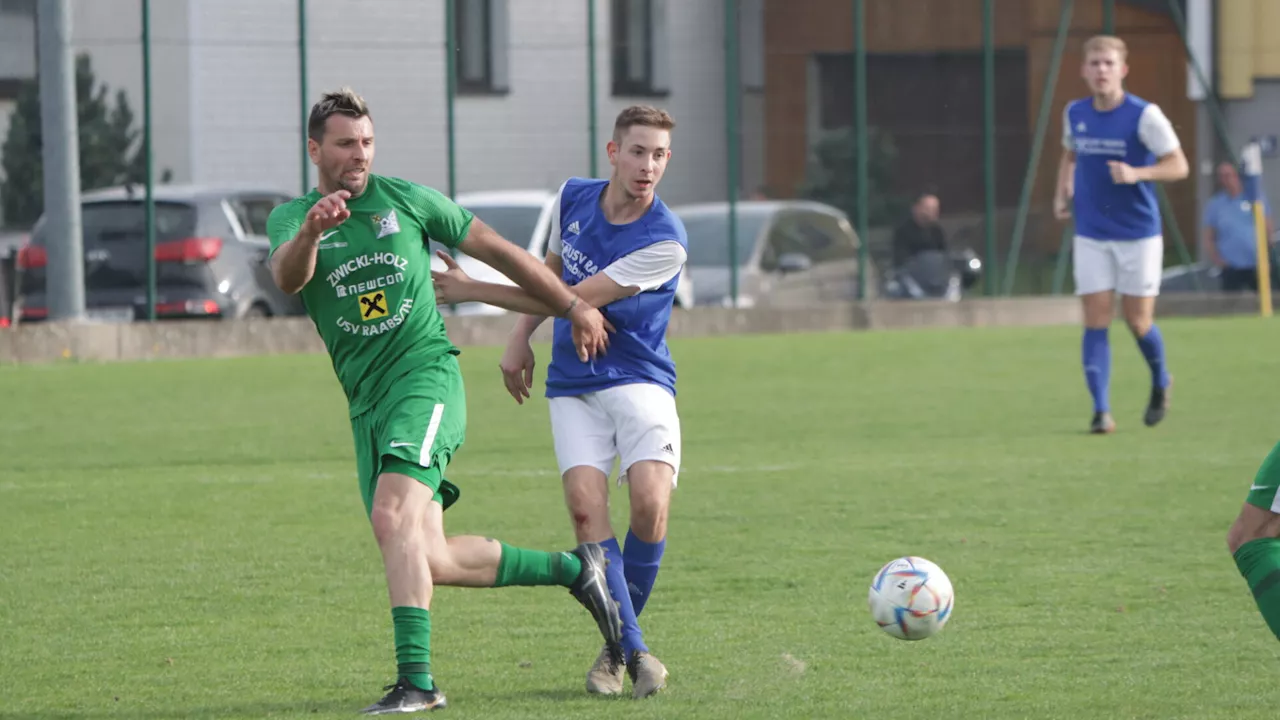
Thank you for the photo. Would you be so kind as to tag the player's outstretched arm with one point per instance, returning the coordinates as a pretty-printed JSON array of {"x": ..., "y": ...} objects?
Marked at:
[
  {"x": 536, "y": 282},
  {"x": 518, "y": 360},
  {"x": 455, "y": 286},
  {"x": 487, "y": 246},
  {"x": 294, "y": 262}
]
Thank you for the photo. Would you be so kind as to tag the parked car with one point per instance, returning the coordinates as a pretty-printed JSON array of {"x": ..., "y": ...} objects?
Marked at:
[
  {"x": 789, "y": 253},
  {"x": 524, "y": 218},
  {"x": 10, "y": 243},
  {"x": 1202, "y": 277},
  {"x": 211, "y": 255}
]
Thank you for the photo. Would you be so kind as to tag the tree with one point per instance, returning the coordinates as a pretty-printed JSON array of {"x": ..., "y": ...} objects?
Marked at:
[
  {"x": 831, "y": 175},
  {"x": 111, "y": 150}
]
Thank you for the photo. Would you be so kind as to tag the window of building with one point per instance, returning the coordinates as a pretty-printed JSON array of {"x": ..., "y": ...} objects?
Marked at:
[
  {"x": 480, "y": 27},
  {"x": 640, "y": 62}
]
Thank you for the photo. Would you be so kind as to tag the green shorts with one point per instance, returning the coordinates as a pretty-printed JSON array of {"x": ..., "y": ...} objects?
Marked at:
[
  {"x": 414, "y": 430},
  {"x": 1265, "y": 492}
]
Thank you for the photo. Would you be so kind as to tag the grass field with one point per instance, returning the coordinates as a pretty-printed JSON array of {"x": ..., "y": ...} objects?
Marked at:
[{"x": 185, "y": 539}]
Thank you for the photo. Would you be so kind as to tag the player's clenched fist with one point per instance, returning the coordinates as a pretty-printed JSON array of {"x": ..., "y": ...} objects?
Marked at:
[{"x": 330, "y": 212}]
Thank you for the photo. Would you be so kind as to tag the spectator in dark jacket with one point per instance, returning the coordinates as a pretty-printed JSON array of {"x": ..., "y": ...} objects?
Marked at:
[{"x": 920, "y": 231}]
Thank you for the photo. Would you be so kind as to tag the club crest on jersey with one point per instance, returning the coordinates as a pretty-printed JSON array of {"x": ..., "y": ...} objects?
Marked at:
[{"x": 386, "y": 223}]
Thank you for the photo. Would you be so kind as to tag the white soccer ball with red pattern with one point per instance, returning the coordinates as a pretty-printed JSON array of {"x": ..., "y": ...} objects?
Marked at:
[{"x": 911, "y": 598}]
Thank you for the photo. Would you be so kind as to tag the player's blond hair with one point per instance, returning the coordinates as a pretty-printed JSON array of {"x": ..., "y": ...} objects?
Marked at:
[
  {"x": 643, "y": 115},
  {"x": 343, "y": 101},
  {"x": 1102, "y": 43}
]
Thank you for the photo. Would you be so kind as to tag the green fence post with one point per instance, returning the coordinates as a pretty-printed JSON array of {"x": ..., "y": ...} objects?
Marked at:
[
  {"x": 863, "y": 144},
  {"x": 450, "y": 91},
  {"x": 592, "y": 139},
  {"x": 989, "y": 139},
  {"x": 731, "y": 88},
  {"x": 1042, "y": 125},
  {"x": 150, "y": 160},
  {"x": 1211, "y": 99},
  {"x": 303, "y": 93}
]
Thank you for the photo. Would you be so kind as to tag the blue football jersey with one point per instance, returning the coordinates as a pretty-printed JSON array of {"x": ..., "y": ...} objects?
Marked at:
[
  {"x": 1105, "y": 210},
  {"x": 590, "y": 243}
]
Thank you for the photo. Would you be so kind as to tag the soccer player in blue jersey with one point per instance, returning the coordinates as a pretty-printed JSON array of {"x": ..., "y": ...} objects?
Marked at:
[
  {"x": 621, "y": 250},
  {"x": 1116, "y": 146}
]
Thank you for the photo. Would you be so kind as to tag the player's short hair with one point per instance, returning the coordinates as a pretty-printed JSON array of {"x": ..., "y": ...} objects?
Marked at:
[
  {"x": 343, "y": 101},
  {"x": 1101, "y": 43},
  {"x": 644, "y": 115}
]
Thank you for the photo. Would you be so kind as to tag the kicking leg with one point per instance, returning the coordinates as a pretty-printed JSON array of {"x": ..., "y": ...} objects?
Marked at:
[
  {"x": 1095, "y": 355},
  {"x": 1253, "y": 540},
  {"x": 1139, "y": 314}
]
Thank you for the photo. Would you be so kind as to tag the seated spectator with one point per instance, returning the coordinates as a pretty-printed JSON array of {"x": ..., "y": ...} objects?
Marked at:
[{"x": 920, "y": 232}]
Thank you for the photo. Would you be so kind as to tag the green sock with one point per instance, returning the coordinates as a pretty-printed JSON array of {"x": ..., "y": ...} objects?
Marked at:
[
  {"x": 1259, "y": 563},
  {"x": 413, "y": 645},
  {"x": 535, "y": 567}
]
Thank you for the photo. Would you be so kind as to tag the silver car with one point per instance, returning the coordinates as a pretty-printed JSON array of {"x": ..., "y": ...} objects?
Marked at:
[
  {"x": 790, "y": 253},
  {"x": 524, "y": 218}
]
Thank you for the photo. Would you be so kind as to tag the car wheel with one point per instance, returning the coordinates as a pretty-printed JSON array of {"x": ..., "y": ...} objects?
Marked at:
[{"x": 257, "y": 310}]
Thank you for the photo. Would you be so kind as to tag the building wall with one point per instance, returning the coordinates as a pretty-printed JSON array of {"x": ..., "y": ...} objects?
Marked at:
[{"x": 228, "y": 108}]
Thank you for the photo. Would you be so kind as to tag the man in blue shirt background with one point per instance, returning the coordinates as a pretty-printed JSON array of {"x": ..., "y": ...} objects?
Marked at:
[
  {"x": 1116, "y": 146},
  {"x": 1229, "y": 235}
]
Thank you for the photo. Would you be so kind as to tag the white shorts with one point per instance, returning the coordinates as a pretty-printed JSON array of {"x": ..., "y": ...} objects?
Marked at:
[
  {"x": 628, "y": 422},
  {"x": 1129, "y": 267}
]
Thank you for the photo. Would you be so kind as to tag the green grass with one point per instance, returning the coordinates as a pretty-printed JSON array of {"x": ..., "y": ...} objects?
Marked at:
[{"x": 186, "y": 540}]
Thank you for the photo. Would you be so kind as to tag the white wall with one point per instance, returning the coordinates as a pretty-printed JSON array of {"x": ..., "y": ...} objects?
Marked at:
[
  {"x": 244, "y": 100},
  {"x": 227, "y": 107}
]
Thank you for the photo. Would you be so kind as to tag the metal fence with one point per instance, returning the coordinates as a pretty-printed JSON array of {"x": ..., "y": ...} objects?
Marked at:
[{"x": 860, "y": 104}]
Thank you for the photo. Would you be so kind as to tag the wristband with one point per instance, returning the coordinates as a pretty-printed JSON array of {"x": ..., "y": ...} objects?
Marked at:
[{"x": 573, "y": 303}]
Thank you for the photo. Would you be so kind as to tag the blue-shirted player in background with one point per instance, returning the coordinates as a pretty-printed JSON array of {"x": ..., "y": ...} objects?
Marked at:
[
  {"x": 1115, "y": 147},
  {"x": 616, "y": 243}
]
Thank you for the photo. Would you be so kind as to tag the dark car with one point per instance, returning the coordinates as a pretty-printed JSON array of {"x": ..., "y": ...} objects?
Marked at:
[{"x": 211, "y": 255}]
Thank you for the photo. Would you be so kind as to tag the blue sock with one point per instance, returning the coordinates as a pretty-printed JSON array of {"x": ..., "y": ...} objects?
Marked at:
[
  {"x": 1152, "y": 346},
  {"x": 631, "y": 638},
  {"x": 641, "y": 566},
  {"x": 1096, "y": 356}
]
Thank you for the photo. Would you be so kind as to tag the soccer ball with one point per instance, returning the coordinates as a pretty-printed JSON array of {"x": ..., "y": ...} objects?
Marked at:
[{"x": 911, "y": 598}]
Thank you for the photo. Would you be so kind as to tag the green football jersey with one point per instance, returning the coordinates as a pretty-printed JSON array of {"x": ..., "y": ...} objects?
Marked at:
[{"x": 371, "y": 297}]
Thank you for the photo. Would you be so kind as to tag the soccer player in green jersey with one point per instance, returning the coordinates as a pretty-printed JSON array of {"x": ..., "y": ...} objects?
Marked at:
[
  {"x": 1254, "y": 539},
  {"x": 356, "y": 249}
]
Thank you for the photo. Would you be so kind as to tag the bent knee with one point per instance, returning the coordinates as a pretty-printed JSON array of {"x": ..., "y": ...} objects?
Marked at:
[
  {"x": 588, "y": 505},
  {"x": 1139, "y": 326},
  {"x": 1253, "y": 523},
  {"x": 650, "y": 499},
  {"x": 389, "y": 523},
  {"x": 649, "y": 523},
  {"x": 1243, "y": 533}
]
